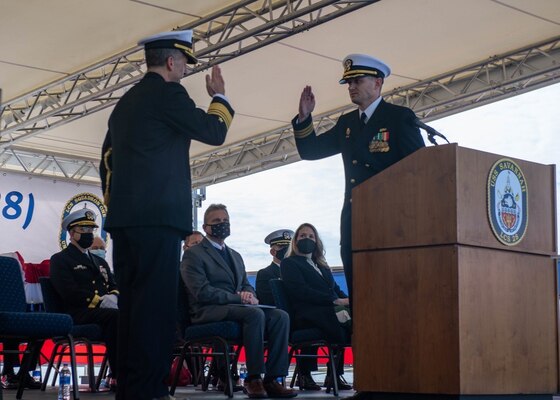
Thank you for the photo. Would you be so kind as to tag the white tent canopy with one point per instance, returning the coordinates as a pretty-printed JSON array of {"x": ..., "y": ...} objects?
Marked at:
[{"x": 421, "y": 40}]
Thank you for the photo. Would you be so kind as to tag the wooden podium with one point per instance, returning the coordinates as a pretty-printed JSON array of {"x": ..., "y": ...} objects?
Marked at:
[{"x": 440, "y": 305}]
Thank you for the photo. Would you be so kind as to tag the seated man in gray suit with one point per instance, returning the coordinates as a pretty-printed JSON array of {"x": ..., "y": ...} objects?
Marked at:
[{"x": 218, "y": 290}]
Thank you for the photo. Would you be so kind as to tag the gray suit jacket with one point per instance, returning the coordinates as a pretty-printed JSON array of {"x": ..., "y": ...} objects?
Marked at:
[{"x": 210, "y": 282}]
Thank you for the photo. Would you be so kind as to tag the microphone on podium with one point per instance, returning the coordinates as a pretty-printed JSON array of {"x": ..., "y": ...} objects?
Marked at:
[{"x": 430, "y": 131}]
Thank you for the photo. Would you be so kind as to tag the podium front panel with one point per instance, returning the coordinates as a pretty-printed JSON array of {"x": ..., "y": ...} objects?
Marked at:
[{"x": 454, "y": 320}]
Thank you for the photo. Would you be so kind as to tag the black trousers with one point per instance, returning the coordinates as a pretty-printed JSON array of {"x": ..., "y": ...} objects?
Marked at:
[
  {"x": 107, "y": 319},
  {"x": 346, "y": 246},
  {"x": 146, "y": 263}
]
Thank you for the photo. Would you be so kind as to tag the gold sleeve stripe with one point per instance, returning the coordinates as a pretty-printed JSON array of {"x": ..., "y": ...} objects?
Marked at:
[
  {"x": 303, "y": 133},
  {"x": 221, "y": 111},
  {"x": 114, "y": 292},
  {"x": 94, "y": 302},
  {"x": 108, "y": 177}
]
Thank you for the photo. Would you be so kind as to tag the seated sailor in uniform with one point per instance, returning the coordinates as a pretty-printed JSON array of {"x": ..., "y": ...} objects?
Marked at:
[{"x": 85, "y": 282}]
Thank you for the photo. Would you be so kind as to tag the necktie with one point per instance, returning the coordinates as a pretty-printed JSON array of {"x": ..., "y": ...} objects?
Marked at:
[{"x": 363, "y": 118}]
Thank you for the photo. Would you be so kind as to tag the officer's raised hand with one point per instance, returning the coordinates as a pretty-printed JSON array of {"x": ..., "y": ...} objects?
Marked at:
[
  {"x": 215, "y": 83},
  {"x": 306, "y": 103}
]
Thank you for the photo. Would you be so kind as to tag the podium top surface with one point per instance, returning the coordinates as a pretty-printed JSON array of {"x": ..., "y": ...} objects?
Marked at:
[{"x": 454, "y": 195}]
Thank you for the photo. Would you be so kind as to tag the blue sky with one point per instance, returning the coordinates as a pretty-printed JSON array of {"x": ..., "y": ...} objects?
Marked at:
[{"x": 524, "y": 126}]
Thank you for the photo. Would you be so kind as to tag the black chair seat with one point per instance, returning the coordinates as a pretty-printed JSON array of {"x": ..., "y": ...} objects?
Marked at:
[
  {"x": 34, "y": 325},
  {"x": 306, "y": 335},
  {"x": 91, "y": 331},
  {"x": 228, "y": 330}
]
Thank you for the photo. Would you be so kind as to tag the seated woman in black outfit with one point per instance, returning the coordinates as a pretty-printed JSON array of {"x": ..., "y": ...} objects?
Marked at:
[{"x": 318, "y": 302}]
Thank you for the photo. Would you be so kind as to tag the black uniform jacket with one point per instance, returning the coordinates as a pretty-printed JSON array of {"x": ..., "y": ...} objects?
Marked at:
[
  {"x": 211, "y": 283},
  {"x": 264, "y": 292},
  {"x": 145, "y": 172},
  {"x": 312, "y": 296},
  {"x": 81, "y": 279},
  {"x": 389, "y": 136}
]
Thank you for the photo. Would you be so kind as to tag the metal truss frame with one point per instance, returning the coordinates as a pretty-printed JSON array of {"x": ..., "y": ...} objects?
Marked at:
[
  {"x": 231, "y": 32},
  {"x": 474, "y": 85}
]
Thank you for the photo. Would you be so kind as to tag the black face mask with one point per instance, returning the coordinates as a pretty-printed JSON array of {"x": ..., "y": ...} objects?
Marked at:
[
  {"x": 86, "y": 240},
  {"x": 280, "y": 254},
  {"x": 221, "y": 230},
  {"x": 306, "y": 246}
]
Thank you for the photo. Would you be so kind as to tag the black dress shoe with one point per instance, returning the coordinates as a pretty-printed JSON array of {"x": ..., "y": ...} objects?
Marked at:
[
  {"x": 342, "y": 384},
  {"x": 360, "y": 396},
  {"x": 306, "y": 382},
  {"x": 275, "y": 390},
  {"x": 255, "y": 389},
  {"x": 12, "y": 382},
  {"x": 221, "y": 386}
]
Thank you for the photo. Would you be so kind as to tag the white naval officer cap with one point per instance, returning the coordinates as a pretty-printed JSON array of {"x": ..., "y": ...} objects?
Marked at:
[
  {"x": 83, "y": 217},
  {"x": 280, "y": 237},
  {"x": 356, "y": 65},
  {"x": 180, "y": 40}
]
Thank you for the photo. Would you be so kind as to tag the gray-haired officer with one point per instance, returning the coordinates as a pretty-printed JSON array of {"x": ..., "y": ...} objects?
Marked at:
[
  {"x": 278, "y": 241},
  {"x": 370, "y": 139},
  {"x": 85, "y": 282},
  {"x": 147, "y": 188}
]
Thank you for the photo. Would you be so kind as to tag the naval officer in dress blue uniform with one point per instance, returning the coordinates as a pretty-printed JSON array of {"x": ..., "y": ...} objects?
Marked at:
[
  {"x": 147, "y": 188},
  {"x": 85, "y": 282},
  {"x": 278, "y": 241},
  {"x": 370, "y": 139}
]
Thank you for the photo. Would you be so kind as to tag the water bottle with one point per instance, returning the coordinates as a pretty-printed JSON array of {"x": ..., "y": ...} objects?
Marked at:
[
  {"x": 242, "y": 374},
  {"x": 64, "y": 383},
  {"x": 37, "y": 375}
]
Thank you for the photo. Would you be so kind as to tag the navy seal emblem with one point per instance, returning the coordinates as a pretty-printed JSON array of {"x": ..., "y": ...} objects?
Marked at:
[{"x": 507, "y": 202}]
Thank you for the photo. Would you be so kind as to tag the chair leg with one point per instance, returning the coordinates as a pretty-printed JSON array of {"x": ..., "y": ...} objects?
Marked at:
[
  {"x": 102, "y": 372},
  {"x": 332, "y": 373},
  {"x": 178, "y": 370},
  {"x": 229, "y": 384},
  {"x": 49, "y": 368},
  {"x": 296, "y": 369},
  {"x": 24, "y": 368},
  {"x": 91, "y": 371},
  {"x": 75, "y": 385}
]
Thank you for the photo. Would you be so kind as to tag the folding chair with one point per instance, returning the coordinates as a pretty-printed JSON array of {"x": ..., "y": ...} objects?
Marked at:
[
  {"x": 83, "y": 334},
  {"x": 28, "y": 327},
  {"x": 300, "y": 338},
  {"x": 208, "y": 340}
]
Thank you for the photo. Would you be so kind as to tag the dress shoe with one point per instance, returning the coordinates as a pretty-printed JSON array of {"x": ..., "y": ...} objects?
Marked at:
[
  {"x": 276, "y": 390},
  {"x": 221, "y": 386},
  {"x": 306, "y": 382},
  {"x": 360, "y": 396},
  {"x": 342, "y": 384},
  {"x": 255, "y": 389},
  {"x": 12, "y": 382}
]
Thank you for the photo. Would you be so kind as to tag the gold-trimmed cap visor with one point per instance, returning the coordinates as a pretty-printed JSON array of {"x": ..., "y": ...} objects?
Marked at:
[
  {"x": 180, "y": 40},
  {"x": 357, "y": 65}
]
